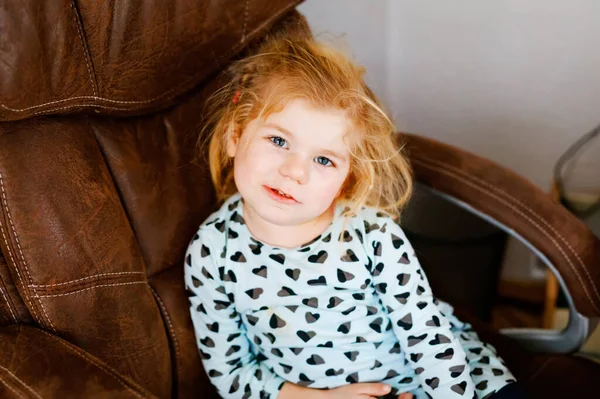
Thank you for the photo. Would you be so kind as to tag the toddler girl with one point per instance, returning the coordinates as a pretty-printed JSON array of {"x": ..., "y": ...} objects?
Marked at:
[{"x": 303, "y": 284}]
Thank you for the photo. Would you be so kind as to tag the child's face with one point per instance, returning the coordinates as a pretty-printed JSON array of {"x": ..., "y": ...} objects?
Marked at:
[{"x": 290, "y": 168}]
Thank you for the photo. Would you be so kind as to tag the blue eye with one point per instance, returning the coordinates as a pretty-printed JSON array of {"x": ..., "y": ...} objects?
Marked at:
[
  {"x": 323, "y": 161},
  {"x": 277, "y": 141}
]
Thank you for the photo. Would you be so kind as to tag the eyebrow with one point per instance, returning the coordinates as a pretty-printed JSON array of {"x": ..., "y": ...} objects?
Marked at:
[
  {"x": 277, "y": 127},
  {"x": 287, "y": 132},
  {"x": 333, "y": 154}
]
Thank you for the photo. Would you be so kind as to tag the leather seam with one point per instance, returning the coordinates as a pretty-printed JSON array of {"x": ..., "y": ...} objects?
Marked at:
[
  {"x": 7, "y": 301},
  {"x": 11, "y": 388},
  {"x": 83, "y": 47},
  {"x": 10, "y": 253},
  {"x": 34, "y": 393},
  {"x": 83, "y": 355},
  {"x": 245, "y": 21},
  {"x": 533, "y": 213},
  {"x": 533, "y": 223},
  {"x": 183, "y": 86},
  {"x": 5, "y": 203},
  {"x": 539, "y": 370},
  {"x": 81, "y": 279},
  {"x": 90, "y": 288},
  {"x": 175, "y": 344}
]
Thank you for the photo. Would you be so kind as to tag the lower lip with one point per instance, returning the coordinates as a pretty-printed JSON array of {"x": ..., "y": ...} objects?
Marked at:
[{"x": 278, "y": 197}]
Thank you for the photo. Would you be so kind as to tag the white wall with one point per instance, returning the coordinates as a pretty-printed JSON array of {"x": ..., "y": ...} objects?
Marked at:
[
  {"x": 360, "y": 25},
  {"x": 516, "y": 81}
]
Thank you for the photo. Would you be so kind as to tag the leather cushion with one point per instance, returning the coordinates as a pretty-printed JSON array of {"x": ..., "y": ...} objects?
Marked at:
[
  {"x": 35, "y": 364},
  {"x": 125, "y": 57}
]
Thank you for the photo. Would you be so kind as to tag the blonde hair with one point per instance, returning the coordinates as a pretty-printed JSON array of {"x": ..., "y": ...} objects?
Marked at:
[{"x": 284, "y": 69}]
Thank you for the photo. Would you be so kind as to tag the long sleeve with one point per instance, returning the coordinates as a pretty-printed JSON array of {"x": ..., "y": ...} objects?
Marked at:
[
  {"x": 226, "y": 352},
  {"x": 423, "y": 332}
]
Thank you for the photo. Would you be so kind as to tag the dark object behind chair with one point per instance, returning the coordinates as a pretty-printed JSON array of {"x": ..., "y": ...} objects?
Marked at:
[
  {"x": 100, "y": 104},
  {"x": 461, "y": 253}
]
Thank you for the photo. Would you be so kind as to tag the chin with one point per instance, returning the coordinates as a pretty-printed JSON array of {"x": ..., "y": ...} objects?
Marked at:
[{"x": 281, "y": 217}]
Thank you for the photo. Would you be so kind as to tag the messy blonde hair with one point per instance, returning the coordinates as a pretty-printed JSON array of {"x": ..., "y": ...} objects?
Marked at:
[{"x": 285, "y": 69}]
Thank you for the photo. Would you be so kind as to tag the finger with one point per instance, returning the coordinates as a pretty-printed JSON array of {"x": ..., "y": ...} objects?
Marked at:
[
  {"x": 405, "y": 395},
  {"x": 374, "y": 388}
]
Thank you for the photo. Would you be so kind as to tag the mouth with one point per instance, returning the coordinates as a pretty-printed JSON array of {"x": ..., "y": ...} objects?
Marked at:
[{"x": 280, "y": 195}]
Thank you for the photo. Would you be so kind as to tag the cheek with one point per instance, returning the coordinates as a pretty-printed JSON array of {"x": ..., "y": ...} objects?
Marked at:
[
  {"x": 330, "y": 185},
  {"x": 254, "y": 161}
]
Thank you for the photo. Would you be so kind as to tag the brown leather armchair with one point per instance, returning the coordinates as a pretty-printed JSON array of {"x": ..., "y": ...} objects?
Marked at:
[{"x": 100, "y": 106}]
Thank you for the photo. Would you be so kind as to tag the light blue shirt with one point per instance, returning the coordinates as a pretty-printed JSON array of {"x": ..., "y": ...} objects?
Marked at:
[{"x": 324, "y": 314}]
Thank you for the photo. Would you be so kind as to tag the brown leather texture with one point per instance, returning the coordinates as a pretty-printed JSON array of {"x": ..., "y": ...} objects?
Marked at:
[
  {"x": 515, "y": 202},
  {"x": 26, "y": 352},
  {"x": 97, "y": 208},
  {"x": 190, "y": 379},
  {"x": 74, "y": 257},
  {"x": 12, "y": 307},
  {"x": 120, "y": 57}
]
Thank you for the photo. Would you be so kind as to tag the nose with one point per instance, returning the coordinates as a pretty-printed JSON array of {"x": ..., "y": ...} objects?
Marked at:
[{"x": 295, "y": 168}]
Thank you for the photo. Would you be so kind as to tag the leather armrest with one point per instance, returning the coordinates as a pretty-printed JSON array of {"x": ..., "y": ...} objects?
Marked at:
[
  {"x": 516, "y": 203},
  {"x": 36, "y": 364}
]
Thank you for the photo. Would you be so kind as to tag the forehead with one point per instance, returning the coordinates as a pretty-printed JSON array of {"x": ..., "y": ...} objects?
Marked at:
[{"x": 325, "y": 126}]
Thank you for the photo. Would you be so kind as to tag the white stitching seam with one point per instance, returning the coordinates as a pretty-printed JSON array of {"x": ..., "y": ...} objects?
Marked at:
[
  {"x": 93, "y": 361},
  {"x": 165, "y": 94},
  {"x": 444, "y": 170},
  {"x": 23, "y": 383},
  {"x": 81, "y": 279},
  {"x": 91, "y": 288},
  {"x": 9, "y": 306},
  {"x": 81, "y": 105},
  {"x": 533, "y": 213},
  {"x": 78, "y": 105},
  {"x": 164, "y": 308},
  {"x": 85, "y": 55},
  {"x": 11, "y": 388},
  {"x": 245, "y": 21},
  {"x": 11, "y": 254},
  {"x": 21, "y": 252}
]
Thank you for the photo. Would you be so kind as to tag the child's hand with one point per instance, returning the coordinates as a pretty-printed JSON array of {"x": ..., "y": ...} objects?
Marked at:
[{"x": 364, "y": 390}]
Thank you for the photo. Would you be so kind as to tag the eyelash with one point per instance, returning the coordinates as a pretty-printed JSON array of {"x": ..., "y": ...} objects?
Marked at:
[
  {"x": 280, "y": 142},
  {"x": 274, "y": 139},
  {"x": 328, "y": 164}
]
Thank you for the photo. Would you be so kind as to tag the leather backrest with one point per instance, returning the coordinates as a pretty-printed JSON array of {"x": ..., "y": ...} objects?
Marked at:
[
  {"x": 118, "y": 57},
  {"x": 71, "y": 251}
]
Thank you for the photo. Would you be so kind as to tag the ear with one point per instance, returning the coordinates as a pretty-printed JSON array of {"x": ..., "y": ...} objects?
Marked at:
[{"x": 232, "y": 143}]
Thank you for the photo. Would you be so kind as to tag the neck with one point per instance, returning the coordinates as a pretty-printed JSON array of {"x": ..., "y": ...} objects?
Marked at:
[{"x": 286, "y": 236}]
